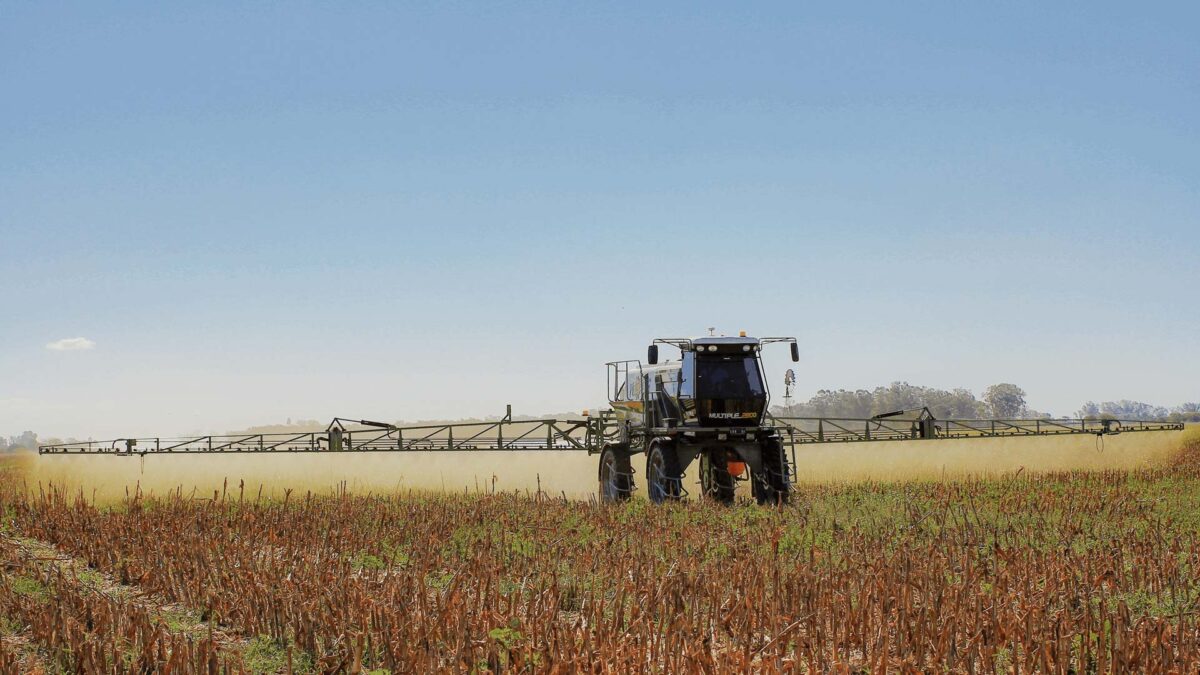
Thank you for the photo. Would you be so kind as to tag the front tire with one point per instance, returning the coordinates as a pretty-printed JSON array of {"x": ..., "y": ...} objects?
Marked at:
[
  {"x": 773, "y": 485},
  {"x": 715, "y": 479},
  {"x": 616, "y": 475},
  {"x": 664, "y": 480}
]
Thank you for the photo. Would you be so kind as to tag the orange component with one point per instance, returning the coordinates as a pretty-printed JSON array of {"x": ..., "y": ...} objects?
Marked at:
[{"x": 736, "y": 468}]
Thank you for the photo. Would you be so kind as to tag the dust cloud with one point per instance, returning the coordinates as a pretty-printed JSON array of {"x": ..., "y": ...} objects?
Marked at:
[
  {"x": 109, "y": 478},
  {"x": 904, "y": 460},
  {"x": 571, "y": 473}
]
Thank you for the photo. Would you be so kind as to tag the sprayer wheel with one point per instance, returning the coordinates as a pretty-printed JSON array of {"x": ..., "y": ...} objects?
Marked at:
[
  {"x": 773, "y": 485},
  {"x": 616, "y": 475},
  {"x": 664, "y": 479},
  {"x": 718, "y": 484}
]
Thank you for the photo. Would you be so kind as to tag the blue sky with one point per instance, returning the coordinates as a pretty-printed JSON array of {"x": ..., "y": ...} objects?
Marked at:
[{"x": 279, "y": 210}]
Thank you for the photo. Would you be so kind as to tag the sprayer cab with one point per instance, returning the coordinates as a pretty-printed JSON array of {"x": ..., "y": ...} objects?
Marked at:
[{"x": 718, "y": 381}]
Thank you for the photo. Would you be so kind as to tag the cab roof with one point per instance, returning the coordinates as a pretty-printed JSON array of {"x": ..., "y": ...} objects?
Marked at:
[{"x": 713, "y": 340}]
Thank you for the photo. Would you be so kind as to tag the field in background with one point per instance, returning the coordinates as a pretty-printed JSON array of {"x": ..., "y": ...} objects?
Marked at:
[{"x": 979, "y": 569}]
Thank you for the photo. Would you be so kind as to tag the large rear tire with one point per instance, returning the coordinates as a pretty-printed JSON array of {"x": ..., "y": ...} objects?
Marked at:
[
  {"x": 773, "y": 485},
  {"x": 715, "y": 479},
  {"x": 616, "y": 475},
  {"x": 664, "y": 480}
]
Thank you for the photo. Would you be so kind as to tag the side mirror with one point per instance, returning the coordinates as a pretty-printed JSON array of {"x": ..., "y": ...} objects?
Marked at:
[
  {"x": 795, "y": 352},
  {"x": 652, "y": 355}
]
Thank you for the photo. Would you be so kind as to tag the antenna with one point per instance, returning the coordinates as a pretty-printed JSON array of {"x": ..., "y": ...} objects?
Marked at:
[{"x": 712, "y": 330}]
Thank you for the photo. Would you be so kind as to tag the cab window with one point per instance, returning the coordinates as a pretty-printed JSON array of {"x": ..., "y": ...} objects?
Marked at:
[{"x": 687, "y": 376}]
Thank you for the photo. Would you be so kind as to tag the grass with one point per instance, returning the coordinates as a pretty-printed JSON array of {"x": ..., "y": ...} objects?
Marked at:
[
  {"x": 183, "y": 620},
  {"x": 366, "y": 561},
  {"x": 90, "y": 578},
  {"x": 29, "y": 587},
  {"x": 10, "y": 626},
  {"x": 267, "y": 656}
]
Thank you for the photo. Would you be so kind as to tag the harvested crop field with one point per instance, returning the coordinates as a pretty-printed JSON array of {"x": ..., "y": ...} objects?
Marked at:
[{"x": 1083, "y": 571}]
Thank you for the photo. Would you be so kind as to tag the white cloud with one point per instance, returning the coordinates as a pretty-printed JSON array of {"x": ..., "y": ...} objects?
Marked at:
[{"x": 70, "y": 344}]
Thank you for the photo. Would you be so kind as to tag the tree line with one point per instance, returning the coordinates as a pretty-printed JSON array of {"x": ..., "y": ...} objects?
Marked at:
[
  {"x": 26, "y": 441},
  {"x": 1137, "y": 410},
  {"x": 1000, "y": 401}
]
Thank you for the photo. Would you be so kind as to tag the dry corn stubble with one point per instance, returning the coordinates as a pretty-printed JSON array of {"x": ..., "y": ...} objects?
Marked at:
[{"x": 1084, "y": 570}]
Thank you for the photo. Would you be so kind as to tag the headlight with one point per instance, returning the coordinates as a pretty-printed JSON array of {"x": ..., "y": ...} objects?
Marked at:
[
  {"x": 712, "y": 348},
  {"x": 745, "y": 348}
]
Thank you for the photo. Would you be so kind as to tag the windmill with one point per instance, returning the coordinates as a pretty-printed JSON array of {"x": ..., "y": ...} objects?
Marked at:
[{"x": 789, "y": 383}]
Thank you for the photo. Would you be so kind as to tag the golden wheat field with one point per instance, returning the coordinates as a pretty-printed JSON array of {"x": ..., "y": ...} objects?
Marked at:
[{"x": 1048, "y": 556}]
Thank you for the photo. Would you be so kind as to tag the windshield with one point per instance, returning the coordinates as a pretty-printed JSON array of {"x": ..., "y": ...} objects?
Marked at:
[{"x": 728, "y": 377}]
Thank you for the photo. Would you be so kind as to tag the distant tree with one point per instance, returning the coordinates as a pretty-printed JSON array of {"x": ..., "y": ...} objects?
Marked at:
[
  {"x": 954, "y": 404},
  {"x": 958, "y": 403},
  {"x": 898, "y": 396},
  {"x": 1185, "y": 412},
  {"x": 1088, "y": 411},
  {"x": 1132, "y": 410},
  {"x": 26, "y": 441},
  {"x": 1005, "y": 401},
  {"x": 839, "y": 403}
]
